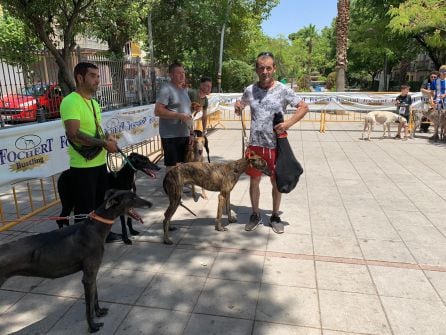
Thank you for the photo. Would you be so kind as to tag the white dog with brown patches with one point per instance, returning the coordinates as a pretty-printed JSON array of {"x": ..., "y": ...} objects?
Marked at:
[{"x": 384, "y": 118}]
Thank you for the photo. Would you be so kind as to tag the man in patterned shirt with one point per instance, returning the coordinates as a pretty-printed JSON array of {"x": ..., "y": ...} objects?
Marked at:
[{"x": 265, "y": 98}]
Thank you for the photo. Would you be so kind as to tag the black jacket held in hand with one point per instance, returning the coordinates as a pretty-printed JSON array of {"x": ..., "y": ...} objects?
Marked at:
[{"x": 288, "y": 169}]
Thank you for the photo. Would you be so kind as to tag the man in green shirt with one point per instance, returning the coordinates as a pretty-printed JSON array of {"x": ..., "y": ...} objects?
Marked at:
[{"x": 81, "y": 117}]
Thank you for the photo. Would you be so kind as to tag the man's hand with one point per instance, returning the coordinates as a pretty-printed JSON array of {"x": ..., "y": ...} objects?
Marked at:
[
  {"x": 281, "y": 128},
  {"x": 238, "y": 107},
  {"x": 111, "y": 145},
  {"x": 186, "y": 118}
]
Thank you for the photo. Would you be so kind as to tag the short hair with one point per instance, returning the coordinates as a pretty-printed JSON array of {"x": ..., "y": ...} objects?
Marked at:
[
  {"x": 174, "y": 65},
  {"x": 442, "y": 68},
  {"x": 82, "y": 69},
  {"x": 205, "y": 79},
  {"x": 264, "y": 54},
  {"x": 403, "y": 87}
]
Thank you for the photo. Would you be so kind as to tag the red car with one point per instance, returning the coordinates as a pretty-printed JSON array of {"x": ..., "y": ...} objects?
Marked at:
[{"x": 45, "y": 98}]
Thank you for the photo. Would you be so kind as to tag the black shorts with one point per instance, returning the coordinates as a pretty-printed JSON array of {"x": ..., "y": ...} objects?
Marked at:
[{"x": 174, "y": 150}]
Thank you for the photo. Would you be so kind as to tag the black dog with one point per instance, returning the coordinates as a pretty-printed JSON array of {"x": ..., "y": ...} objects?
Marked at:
[
  {"x": 124, "y": 179},
  {"x": 79, "y": 247}
]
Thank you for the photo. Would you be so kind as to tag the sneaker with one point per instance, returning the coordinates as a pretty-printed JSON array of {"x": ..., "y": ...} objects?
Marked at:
[
  {"x": 276, "y": 224},
  {"x": 397, "y": 136},
  {"x": 254, "y": 221}
]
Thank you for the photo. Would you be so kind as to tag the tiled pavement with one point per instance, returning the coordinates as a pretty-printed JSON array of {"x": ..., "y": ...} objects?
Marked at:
[{"x": 364, "y": 252}]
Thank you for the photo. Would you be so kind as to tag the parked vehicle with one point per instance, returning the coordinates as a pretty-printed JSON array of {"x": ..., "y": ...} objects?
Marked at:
[{"x": 34, "y": 103}]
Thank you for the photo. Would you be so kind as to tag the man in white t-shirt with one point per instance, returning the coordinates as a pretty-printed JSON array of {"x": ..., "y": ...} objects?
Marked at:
[{"x": 265, "y": 98}]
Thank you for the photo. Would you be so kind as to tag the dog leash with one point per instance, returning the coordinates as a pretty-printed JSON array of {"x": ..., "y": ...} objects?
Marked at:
[
  {"x": 41, "y": 219},
  {"x": 244, "y": 137},
  {"x": 124, "y": 158}
]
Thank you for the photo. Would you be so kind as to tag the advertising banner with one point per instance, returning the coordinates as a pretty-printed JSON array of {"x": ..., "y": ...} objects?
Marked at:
[{"x": 40, "y": 150}]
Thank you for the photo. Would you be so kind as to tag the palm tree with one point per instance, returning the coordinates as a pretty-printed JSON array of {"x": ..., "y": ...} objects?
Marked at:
[
  {"x": 308, "y": 35},
  {"x": 341, "y": 43}
]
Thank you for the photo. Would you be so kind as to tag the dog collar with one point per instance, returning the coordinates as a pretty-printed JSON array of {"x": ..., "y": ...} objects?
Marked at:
[{"x": 96, "y": 217}]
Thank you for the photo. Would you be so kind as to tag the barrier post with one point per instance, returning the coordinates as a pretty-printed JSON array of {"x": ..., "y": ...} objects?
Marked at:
[
  {"x": 322, "y": 122},
  {"x": 411, "y": 123}
]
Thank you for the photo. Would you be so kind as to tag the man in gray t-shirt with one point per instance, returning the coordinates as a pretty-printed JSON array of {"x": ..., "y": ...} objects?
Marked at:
[
  {"x": 173, "y": 109},
  {"x": 266, "y": 98}
]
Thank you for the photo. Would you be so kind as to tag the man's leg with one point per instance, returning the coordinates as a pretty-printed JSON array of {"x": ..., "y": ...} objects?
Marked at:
[
  {"x": 84, "y": 189},
  {"x": 254, "y": 194},
  {"x": 275, "y": 221},
  {"x": 277, "y": 197}
]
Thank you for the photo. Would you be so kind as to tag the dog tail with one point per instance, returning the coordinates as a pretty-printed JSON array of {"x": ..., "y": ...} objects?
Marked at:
[{"x": 206, "y": 146}]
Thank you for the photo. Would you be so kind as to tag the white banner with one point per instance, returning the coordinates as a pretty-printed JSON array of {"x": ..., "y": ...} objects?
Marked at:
[
  {"x": 329, "y": 101},
  {"x": 40, "y": 150}
]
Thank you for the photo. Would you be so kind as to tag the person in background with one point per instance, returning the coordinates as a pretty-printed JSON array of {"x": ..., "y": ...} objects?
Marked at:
[
  {"x": 265, "y": 98},
  {"x": 428, "y": 91},
  {"x": 440, "y": 89},
  {"x": 200, "y": 102},
  {"x": 81, "y": 118},
  {"x": 173, "y": 107},
  {"x": 403, "y": 105}
]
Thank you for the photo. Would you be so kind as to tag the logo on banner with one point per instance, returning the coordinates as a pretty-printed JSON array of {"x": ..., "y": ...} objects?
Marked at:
[
  {"x": 137, "y": 126},
  {"x": 30, "y": 152}
]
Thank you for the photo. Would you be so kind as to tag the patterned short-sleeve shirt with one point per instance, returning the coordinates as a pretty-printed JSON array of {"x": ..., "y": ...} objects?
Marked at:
[{"x": 264, "y": 103}]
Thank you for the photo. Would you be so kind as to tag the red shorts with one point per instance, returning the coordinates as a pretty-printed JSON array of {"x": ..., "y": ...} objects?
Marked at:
[{"x": 269, "y": 155}]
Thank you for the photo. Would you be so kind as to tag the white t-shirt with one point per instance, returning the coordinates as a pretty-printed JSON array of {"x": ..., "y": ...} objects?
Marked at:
[{"x": 264, "y": 103}]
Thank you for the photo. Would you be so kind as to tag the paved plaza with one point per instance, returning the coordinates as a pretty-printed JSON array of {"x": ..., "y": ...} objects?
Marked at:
[{"x": 364, "y": 252}]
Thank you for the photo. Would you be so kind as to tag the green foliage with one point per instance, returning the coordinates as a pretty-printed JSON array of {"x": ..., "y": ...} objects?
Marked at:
[
  {"x": 236, "y": 75},
  {"x": 189, "y": 31},
  {"x": 125, "y": 21},
  {"x": 421, "y": 17},
  {"x": 17, "y": 45},
  {"x": 55, "y": 23}
]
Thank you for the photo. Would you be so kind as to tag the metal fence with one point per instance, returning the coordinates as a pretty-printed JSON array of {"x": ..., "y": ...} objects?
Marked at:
[
  {"x": 26, "y": 199},
  {"x": 32, "y": 93}
]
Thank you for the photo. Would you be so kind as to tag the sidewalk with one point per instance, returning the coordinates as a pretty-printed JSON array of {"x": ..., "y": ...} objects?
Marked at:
[{"x": 364, "y": 252}]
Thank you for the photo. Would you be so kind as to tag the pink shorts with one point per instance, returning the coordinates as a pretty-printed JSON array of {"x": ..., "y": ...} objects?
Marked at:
[{"x": 269, "y": 155}]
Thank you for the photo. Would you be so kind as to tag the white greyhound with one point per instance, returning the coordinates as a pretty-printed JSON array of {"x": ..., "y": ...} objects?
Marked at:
[{"x": 384, "y": 118}]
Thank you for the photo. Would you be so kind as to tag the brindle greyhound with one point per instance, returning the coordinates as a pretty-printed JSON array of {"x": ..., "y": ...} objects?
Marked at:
[
  {"x": 217, "y": 177},
  {"x": 79, "y": 247},
  {"x": 194, "y": 153}
]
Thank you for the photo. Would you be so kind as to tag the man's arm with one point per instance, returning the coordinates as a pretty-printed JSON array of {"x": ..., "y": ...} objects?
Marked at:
[
  {"x": 74, "y": 134},
  {"x": 301, "y": 110},
  {"x": 164, "y": 113}
]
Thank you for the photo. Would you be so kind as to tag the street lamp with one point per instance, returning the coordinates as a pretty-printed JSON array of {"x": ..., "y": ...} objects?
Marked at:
[{"x": 222, "y": 38}]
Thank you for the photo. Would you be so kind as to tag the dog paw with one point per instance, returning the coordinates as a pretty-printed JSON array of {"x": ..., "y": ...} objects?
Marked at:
[
  {"x": 127, "y": 241},
  {"x": 94, "y": 327},
  {"x": 101, "y": 312},
  {"x": 220, "y": 228},
  {"x": 133, "y": 232},
  {"x": 232, "y": 219},
  {"x": 168, "y": 241}
]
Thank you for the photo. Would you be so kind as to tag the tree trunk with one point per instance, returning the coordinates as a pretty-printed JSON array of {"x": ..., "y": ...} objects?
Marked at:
[{"x": 341, "y": 43}]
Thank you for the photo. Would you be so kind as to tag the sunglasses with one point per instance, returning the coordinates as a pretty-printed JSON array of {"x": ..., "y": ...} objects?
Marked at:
[
  {"x": 433, "y": 77},
  {"x": 265, "y": 53}
]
